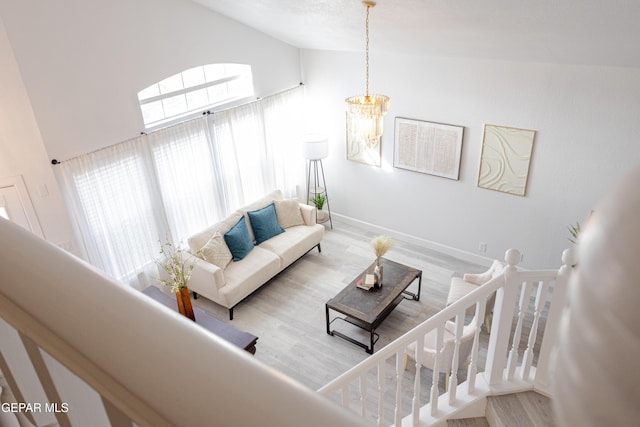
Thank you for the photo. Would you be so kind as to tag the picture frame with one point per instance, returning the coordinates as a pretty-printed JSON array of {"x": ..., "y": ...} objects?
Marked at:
[
  {"x": 428, "y": 147},
  {"x": 358, "y": 152},
  {"x": 505, "y": 159}
]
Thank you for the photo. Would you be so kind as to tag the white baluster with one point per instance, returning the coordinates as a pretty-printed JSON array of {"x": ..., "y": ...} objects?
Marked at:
[
  {"x": 115, "y": 415},
  {"x": 7, "y": 419},
  {"x": 399, "y": 371},
  {"x": 502, "y": 321},
  {"x": 416, "y": 383},
  {"x": 541, "y": 299},
  {"x": 345, "y": 395},
  {"x": 46, "y": 380},
  {"x": 525, "y": 294},
  {"x": 363, "y": 395},
  {"x": 453, "y": 378},
  {"x": 435, "y": 392},
  {"x": 381, "y": 387},
  {"x": 556, "y": 307},
  {"x": 473, "y": 357}
]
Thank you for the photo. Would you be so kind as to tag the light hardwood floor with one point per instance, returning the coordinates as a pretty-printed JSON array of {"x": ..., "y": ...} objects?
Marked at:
[
  {"x": 288, "y": 316},
  {"x": 288, "y": 313}
]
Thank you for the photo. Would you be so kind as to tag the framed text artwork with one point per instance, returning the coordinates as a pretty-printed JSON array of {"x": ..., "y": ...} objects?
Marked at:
[
  {"x": 505, "y": 159},
  {"x": 431, "y": 148},
  {"x": 358, "y": 151}
]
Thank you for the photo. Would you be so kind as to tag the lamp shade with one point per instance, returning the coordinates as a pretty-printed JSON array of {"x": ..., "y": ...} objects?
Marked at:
[{"x": 315, "y": 146}]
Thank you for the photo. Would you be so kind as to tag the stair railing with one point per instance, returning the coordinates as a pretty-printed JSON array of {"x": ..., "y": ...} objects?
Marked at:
[
  {"x": 509, "y": 365},
  {"x": 81, "y": 349},
  {"x": 90, "y": 350}
]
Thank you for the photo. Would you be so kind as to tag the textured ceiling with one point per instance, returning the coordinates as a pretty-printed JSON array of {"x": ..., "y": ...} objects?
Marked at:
[{"x": 590, "y": 32}]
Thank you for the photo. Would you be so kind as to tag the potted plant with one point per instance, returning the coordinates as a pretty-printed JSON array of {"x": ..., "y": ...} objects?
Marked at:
[
  {"x": 318, "y": 200},
  {"x": 574, "y": 231},
  {"x": 178, "y": 272}
]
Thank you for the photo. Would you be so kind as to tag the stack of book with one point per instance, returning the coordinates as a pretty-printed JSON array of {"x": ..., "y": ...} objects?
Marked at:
[{"x": 367, "y": 282}]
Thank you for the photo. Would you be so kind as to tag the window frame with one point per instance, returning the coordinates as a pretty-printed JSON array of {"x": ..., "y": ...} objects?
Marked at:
[{"x": 229, "y": 102}]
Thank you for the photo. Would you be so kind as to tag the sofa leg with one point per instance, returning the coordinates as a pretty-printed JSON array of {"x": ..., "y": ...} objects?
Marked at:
[
  {"x": 319, "y": 248},
  {"x": 195, "y": 295},
  {"x": 231, "y": 313}
]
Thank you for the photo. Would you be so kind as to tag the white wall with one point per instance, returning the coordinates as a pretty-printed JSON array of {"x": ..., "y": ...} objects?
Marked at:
[
  {"x": 22, "y": 152},
  {"x": 83, "y": 62},
  {"x": 587, "y": 126},
  {"x": 71, "y": 71}
]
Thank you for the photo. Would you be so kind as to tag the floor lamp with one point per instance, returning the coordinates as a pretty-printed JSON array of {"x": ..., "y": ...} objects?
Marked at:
[{"x": 315, "y": 148}]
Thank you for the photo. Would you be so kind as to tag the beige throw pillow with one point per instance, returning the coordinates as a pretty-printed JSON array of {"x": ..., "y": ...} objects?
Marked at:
[
  {"x": 216, "y": 251},
  {"x": 288, "y": 213}
]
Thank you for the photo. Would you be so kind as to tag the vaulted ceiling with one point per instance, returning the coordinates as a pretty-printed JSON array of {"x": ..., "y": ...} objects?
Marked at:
[{"x": 589, "y": 32}]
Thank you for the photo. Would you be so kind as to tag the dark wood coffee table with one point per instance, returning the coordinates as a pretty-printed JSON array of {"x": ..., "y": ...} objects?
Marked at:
[
  {"x": 240, "y": 339},
  {"x": 366, "y": 309}
]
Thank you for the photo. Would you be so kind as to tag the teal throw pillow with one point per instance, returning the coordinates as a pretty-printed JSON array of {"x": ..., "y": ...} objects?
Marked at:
[
  {"x": 238, "y": 240},
  {"x": 264, "y": 223}
]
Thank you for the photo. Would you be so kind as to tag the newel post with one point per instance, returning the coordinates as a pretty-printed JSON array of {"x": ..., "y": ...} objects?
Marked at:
[
  {"x": 502, "y": 320},
  {"x": 554, "y": 318}
]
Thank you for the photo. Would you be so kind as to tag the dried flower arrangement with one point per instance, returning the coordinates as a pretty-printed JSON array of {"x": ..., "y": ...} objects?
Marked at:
[{"x": 381, "y": 245}]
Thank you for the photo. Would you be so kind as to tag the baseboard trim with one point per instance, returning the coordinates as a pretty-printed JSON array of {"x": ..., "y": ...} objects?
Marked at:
[{"x": 428, "y": 244}]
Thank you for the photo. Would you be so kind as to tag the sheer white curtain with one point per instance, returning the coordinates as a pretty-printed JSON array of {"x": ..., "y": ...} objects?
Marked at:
[
  {"x": 259, "y": 143},
  {"x": 179, "y": 180},
  {"x": 239, "y": 135},
  {"x": 187, "y": 181},
  {"x": 117, "y": 206},
  {"x": 283, "y": 118}
]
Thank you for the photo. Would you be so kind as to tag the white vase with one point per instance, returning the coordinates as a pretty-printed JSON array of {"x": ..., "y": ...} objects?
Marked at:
[{"x": 377, "y": 272}]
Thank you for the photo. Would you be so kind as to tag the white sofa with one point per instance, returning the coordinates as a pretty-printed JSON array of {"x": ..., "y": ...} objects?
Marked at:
[{"x": 229, "y": 282}]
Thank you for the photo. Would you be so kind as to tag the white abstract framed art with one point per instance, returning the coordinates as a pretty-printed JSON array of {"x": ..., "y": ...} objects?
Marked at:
[
  {"x": 426, "y": 147},
  {"x": 505, "y": 159}
]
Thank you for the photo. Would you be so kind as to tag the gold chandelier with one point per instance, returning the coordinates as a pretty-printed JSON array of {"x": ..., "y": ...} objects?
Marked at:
[{"x": 366, "y": 111}]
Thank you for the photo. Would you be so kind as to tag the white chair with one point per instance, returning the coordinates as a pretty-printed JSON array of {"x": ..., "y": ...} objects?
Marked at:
[
  {"x": 445, "y": 358},
  {"x": 461, "y": 286}
]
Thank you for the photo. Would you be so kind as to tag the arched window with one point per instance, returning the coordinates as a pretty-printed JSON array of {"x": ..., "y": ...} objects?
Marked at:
[{"x": 193, "y": 91}]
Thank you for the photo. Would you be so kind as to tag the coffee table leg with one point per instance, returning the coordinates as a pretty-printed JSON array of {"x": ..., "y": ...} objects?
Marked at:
[
  {"x": 415, "y": 297},
  {"x": 373, "y": 337},
  {"x": 326, "y": 307}
]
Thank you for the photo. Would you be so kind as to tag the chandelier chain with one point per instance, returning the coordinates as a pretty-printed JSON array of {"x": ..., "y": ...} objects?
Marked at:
[
  {"x": 365, "y": 113},
  {"x": 366, "y": 92}
]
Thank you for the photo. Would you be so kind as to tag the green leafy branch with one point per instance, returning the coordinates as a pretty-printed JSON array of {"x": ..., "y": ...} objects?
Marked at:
[
  {"x": 574, "y": 230},
  {"x": 175, "y": 265}
]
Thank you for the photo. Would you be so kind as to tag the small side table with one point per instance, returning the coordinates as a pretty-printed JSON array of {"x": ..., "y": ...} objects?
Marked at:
[
  {"x": 316, "y": 170},
  {"x": 240, "y": 339},
  {"x": 315, "y": 147}
]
